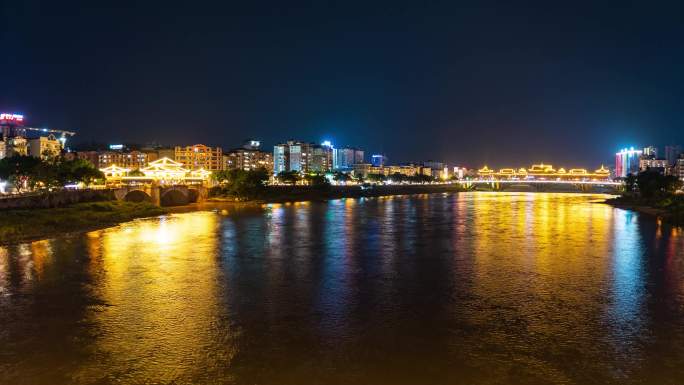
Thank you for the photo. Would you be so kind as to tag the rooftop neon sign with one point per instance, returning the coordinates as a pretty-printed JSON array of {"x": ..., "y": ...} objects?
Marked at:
[
  {"x": 629, "y": 151},
  {"x": 12, "y": 117}
]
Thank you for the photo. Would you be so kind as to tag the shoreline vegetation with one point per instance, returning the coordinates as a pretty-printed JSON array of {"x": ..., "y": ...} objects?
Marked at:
[
  {"x": 670, "y": 210},
  {"x": 652, "y": 193},
  {"x": 33, "y": 224}
]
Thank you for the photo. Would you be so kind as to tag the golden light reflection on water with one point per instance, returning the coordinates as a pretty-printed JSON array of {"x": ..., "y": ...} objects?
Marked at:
[
  {"x": 484, "y": 287},
  {"x": 159, "y": 297}
]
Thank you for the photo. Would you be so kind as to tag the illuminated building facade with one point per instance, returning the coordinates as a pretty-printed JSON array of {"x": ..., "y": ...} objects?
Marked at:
[
  {"x": 44, "y": 147},
  {"x": 16, "y": 145},
  {"x": 18, "y": 139},
  {"x": 627, "y": 162},
  {"x": 653, "y": 164},
  {"x": 249, "y": 157},
  {"x": 345, "y": 158},
  {"x": 650, "y": 151},
  {"x": 678, "y": 169},
  {"x": 200, "y": 156},
  {"x": 672, "y": 153},
  {"x": 378, "y": 160},
  {"x": 544, "y": 172},
  {"x": 302, "y": 157},
  {"x": 132, "y": 160}
]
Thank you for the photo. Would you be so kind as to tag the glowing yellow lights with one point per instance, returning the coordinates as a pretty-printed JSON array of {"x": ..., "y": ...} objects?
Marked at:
[
  {"x": 165, "y": 169},
  {"x": 485, "y": 171},
  {"x": 162, "y": 170},
  {"x": 114, "y": 171},
  {"x": 201, "y": 173},
  {"x": 543, "y": 170}
]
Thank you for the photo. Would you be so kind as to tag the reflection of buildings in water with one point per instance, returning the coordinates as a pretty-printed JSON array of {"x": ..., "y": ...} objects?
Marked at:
[
  {"x": 627, "y": 276},
  {"x": 4, "y": 271},
  {"x": 563, "y": 243},
  {"x": 674, "y": 263},
  {"x": 23, "y": 264}
]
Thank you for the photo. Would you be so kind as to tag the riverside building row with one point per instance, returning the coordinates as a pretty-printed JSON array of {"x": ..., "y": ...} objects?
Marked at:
[
  {"x": 632, "y": 161},
  {"x": 194, "y": 157}
]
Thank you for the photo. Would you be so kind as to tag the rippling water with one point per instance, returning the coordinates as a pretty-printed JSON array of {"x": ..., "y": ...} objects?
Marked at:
[{"x": 474, "y": 288}]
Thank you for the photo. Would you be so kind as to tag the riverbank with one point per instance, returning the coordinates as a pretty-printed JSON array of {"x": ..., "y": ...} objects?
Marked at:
[
  {"x": 24, "y": 225},
  {"x": 670, "y": 209}
]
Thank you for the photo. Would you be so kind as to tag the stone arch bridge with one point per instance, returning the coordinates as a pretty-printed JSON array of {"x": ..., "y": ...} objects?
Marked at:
[{"x": 176, "y": 195}]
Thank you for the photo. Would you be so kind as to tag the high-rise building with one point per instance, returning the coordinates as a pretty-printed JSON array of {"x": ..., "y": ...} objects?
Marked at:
[
  {"x": 672, "y": 154},
  {"x": 302, "y": 157},
  {"x": 200, "y": 156},
  {"x": 651, "y": 152},
  {"x": 248, "y": 157},
  {"x": 346, "y": 157},
  {"x": 678, "y": 169},
  {"x": 378, "y": 160},
  {"x": 660, "y": 165},
  {"x": 627, "y": 162}
]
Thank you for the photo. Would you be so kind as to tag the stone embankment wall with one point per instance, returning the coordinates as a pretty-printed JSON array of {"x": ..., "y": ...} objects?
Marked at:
[{"x": 54, "y": 199}]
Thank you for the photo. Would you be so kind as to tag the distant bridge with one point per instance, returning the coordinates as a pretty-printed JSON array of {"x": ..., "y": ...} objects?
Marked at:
[
  {"x": 543, "y": 184},
  {"x": 161, "y": 195}
]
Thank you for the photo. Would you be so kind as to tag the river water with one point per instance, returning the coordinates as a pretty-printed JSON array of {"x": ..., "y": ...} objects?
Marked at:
[{"x": 469, "y": 288}]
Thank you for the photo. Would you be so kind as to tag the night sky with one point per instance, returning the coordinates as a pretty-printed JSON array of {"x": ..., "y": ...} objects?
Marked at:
[{"x": 467, "y": 83}]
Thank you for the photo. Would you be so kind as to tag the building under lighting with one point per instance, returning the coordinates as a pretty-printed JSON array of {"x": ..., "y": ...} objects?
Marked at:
[
  {"x": 133, "y": 160},
  {"x": 302, "y": 157},
  {"x": 660, "y": 165},
  {"x": 627, "y": 162},
  {"x": 200, "y": 156},
  {"x": 672, "y": 153},
  {"x": 18, "y": 139},
  {"x": 248, "y": 157},
  {"x": 678, "y": 169},
  {"x": 44, "y": 147},
  {"x": 378, "y": 160},
  {"x": 345, "y": 158}
]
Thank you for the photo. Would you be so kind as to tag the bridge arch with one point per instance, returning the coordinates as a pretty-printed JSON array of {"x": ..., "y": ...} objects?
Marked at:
[
  {"x": 137, "y": 196},
  {"x": 174, "y": 197}
]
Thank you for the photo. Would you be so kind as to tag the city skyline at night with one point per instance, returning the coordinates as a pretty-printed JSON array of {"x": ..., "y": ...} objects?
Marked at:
[{"x": 475, "y": 84}]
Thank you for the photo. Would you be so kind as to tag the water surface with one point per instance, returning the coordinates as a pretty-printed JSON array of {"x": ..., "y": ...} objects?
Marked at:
[{"x": 470, "y": 288}]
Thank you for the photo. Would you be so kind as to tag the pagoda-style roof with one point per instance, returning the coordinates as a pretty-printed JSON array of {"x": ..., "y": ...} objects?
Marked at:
[
  {"x": 114, "y": 171},
  {"x": 164, "y": 168},
  {"x": 485, "y": 170}
]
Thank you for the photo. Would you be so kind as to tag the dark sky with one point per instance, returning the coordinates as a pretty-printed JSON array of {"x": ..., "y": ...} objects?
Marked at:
[{"x": 468, "y": 83}]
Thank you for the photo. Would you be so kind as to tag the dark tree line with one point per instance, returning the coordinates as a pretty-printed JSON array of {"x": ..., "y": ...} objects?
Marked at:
[
  {"x": 241, "y": 184},
  {"x": 651, "y": 184},
  {"x": 27, "y": 173}
]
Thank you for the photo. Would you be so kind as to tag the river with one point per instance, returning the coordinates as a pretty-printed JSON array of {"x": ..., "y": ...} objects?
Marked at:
[{"x": 460, "y": 288}]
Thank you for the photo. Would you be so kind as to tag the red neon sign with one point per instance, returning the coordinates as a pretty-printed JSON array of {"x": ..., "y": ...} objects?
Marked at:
[{"x": 12, "y": 117}]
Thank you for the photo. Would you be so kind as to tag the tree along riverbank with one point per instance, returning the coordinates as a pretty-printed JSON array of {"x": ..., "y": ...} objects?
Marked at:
[
  {"x": 31, "y": 224},
  {"x": 670, "y": 209},
  {"x": 655, "y": 194}
]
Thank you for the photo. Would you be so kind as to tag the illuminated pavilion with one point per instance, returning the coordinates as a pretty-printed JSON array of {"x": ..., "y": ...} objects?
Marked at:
[{"x": 164, "y": 171}]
